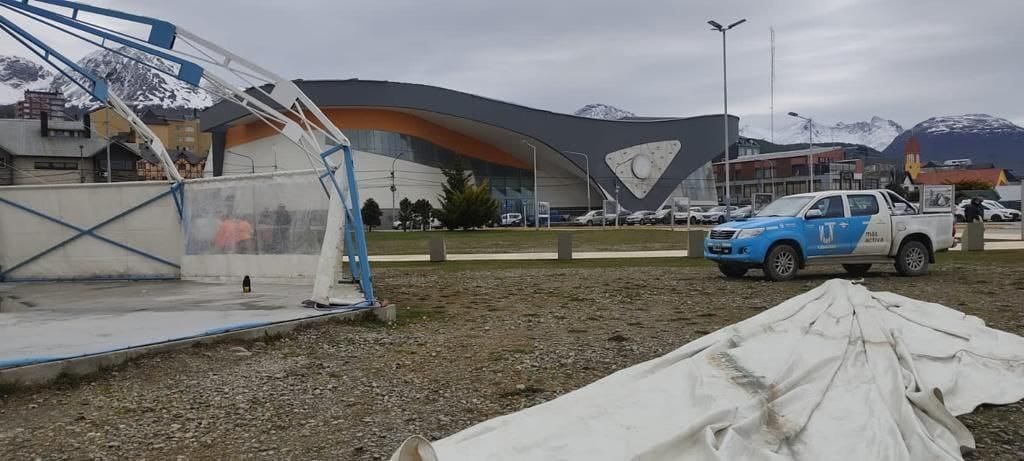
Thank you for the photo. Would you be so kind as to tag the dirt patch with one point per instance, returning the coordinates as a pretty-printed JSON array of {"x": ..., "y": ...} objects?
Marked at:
[{"x": 470, "y": 345}]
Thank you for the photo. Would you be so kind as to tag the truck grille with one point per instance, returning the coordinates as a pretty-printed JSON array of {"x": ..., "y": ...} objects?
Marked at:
[{"x": 722, "y": 234}]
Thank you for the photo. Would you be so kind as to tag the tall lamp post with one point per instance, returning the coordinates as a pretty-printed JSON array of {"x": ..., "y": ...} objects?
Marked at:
[
  {"x": 810, "y": 149},
  {"x": 252, "y": 162},
  {"x": 585, "y": 157},
  {"x": 725, "y": 112},
  {"x": 536, "y": 188},
  {"x": 394, "y": 193}
]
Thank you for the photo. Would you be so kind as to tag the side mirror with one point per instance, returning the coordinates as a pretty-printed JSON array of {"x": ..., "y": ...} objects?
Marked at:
[{"x": 813, "y": 213}]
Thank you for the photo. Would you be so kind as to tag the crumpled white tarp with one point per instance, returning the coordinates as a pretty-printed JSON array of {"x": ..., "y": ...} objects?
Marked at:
[{"x": 839, "y": 372}]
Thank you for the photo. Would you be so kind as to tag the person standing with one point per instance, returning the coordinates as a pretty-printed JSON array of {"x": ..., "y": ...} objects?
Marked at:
[{"x": 974, "y": 211}]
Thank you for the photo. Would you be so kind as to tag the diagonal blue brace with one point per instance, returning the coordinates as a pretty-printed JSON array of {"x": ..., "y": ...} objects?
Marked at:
[
  {"x": 360, "y": 263},
  {"x": 82, "y": 232}
]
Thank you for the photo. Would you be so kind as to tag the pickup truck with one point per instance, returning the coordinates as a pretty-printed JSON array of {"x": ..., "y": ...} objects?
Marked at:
[{"x": 853, "y": 228}]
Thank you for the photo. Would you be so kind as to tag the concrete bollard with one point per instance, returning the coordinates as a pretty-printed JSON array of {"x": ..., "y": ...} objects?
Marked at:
[
  {"x": 438, "y": 252},
  {"x": 974, "y": 237},
  {"x": 565, "y": 246},
  {"x": 695, "y": 244}
]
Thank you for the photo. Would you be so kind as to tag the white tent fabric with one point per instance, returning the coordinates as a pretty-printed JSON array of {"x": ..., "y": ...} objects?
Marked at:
[{"x": 839, "y": 372}]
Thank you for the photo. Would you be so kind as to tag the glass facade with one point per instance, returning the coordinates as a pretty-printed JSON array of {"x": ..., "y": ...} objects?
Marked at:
[{"x": 512, "y": 187}]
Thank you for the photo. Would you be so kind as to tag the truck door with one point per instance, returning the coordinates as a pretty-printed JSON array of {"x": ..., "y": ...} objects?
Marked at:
[
  {"x": 871, "y": 229},
  {"x": 826, "y": 233}
]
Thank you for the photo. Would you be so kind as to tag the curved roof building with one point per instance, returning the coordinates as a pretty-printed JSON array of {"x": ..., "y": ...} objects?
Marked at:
[{"x": 412, "y": 130}]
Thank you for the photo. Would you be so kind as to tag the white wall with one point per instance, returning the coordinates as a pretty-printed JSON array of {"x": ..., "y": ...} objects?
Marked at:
[
  {"x": 154, "y": 229},
  {"x": 373, "y": 171},
  {"x": 413, "y": 180}
]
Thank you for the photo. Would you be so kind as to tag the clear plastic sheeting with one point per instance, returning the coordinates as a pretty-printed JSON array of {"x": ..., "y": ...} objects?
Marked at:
[
  {"x": 267, "y": 214},
  {"x": 267, "y": 224},
  {"x": 839, "y": 372}
]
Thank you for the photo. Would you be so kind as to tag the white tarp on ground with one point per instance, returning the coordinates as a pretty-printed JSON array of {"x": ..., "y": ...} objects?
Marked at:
[{"x": 836, "y": 373}]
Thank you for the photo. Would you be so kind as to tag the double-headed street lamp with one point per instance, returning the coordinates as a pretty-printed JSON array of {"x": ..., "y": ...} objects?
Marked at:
[
  {"x": 587, "y": 158},
  {"x": 725, "y": 112},
  {"x": 810, "y": 149}
]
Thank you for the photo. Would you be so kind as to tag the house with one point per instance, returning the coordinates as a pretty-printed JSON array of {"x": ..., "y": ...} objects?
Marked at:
[
  {"x": 189, "y": 164},
  {"x": 47, "y": 151}
]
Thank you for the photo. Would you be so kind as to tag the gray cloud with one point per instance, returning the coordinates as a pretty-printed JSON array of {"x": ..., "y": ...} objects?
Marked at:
[{"x": 836, "y": 60}]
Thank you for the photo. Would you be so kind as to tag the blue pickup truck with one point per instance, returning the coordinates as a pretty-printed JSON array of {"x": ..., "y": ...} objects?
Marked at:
[{"x": 855, "y": 229}]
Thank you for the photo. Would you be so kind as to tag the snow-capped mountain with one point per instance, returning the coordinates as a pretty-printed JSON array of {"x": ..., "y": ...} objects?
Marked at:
[
  {"x": 135, "y": 83},
  {"x": 18, "y": 74},
  {"x": 603, "y": 111},
  {"x": 979, "y": 137},
  {"x": 876, "y": 133}
]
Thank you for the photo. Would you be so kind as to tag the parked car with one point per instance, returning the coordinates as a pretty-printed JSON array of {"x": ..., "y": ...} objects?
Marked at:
[
  {"x": 994, "y": 211},
  {"x": 742, "y": 212},
  {"x": 640, "y": 217},
  {"x": 511, "y": 220},
  {"x": 716, "y": 215},
  {"x": 661, "y": 216},
  {"x": 416, "y": 223},
  {"x": 609, "y": 219},
  {"x": 854, "y": 228},
  {"x": 592, "y": 218}
]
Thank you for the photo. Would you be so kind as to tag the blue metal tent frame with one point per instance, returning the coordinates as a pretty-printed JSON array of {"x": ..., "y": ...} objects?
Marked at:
[{"x": 163, "y": 34}]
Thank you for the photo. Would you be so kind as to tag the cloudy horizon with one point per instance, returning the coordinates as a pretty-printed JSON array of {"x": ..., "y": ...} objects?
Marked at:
[{"x": 836, "y": 60}]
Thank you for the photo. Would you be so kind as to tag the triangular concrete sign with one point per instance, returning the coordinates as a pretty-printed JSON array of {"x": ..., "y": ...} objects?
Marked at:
[{"x": 640, "y": 167}]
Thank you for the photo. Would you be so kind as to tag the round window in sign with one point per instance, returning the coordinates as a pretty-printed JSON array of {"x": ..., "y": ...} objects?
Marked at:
[{"x": 641, "y": 166}]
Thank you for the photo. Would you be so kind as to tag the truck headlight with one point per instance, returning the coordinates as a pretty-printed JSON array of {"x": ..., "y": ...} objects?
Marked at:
[{"x": 749, "y": 233}]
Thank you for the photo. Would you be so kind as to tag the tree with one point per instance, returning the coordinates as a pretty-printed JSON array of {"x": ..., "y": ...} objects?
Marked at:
[
  {"x": 970, "y": 188},
  {"x": 424, "y": 210},
  {"x": 405, "y": 213},
  {"x": 371, "y": 213},
  {"x": 463, "y": 204}
]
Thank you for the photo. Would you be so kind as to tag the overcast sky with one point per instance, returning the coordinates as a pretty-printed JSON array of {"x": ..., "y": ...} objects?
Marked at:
[{"x": 836, "y": 60}]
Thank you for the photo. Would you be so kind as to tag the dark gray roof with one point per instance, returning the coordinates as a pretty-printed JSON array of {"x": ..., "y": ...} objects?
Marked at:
[{"x": 23, "y": 138}]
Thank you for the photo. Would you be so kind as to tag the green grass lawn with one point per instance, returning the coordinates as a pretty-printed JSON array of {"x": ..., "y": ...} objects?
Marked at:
[{"x": 525, "y": 241}]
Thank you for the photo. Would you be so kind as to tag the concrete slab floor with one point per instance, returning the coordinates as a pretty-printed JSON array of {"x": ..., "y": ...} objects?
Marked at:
[{"x": 56, "y": 320}]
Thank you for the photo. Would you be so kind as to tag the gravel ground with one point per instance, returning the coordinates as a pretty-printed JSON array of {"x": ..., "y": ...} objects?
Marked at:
[{"x": 469, "y": 346}]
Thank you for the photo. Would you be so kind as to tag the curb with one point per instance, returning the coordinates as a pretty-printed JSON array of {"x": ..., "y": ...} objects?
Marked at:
[{"x": 43, "y": 373}]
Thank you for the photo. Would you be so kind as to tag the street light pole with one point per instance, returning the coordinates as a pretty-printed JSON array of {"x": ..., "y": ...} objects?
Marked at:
[
  {"x": 725, "y": 112},
  {"x": 585, "y": 157},
  {"x": 536, "y": 188},
  {"x": 251, "y": 161},
  {"x": 810, "y": 149},
  {"x": 394, "y": 193}
]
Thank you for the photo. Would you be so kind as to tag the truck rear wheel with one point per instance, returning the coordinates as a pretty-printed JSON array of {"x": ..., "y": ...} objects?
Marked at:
[
  {"x": 857, "y": 269},
  {"x": 782, "y": 263},
  {"x": 732, "y": 271},
  {"x": 912, "y": 259}
]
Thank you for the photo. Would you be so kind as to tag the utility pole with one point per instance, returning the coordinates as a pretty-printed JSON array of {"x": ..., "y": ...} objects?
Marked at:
[
  {"x": 81, "y": 164},
  {"x": 725, "y": 112},
  {"x": 810, "y": 149}
]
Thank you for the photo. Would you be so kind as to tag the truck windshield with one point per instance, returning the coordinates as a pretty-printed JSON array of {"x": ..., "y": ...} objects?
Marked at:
[{"x": 785, "y": 206}]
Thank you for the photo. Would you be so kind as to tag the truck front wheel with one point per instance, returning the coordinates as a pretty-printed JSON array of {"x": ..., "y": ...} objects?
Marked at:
[
  {"x": 732, "y": 271},
  {"x": 912, "y": 259},
  {"x": 782, "y": 263}
]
